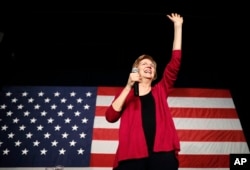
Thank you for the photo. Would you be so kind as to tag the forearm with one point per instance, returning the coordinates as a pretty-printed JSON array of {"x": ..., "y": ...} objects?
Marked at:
[
  {"x": 177, "y": 43},
  {"x": 119, "y": 101}
]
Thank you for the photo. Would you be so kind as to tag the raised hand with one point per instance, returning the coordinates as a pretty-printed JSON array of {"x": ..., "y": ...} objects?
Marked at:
[{"x": 177, "y": 19}]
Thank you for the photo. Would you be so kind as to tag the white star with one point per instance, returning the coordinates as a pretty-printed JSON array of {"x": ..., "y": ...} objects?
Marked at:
[
  {"x": 80, "y": 151},
  {"x": 14, "y": 100},
  {"x": 39, "y": 128},
  {"x": 44, "y": 113},
  {"x": 77, "y": 113},
  {"x": 62, "y": 151},
  {"x": 61, "y": 113},
  {"x": 29, "y": 135},
  {"x": 11, "y": 135},
  {"x": 8, "y": 94},
  {"x": 25, "y": 151},
  {"x": 72, "y": 143},
  {"x": 43, "y": 151},
  {"x": 27, "y": 113},
  {"x": 86, "y": 107},
  {"x": 53, "y": 107},
  {"x": 46, "y": 135},
  {"x": 21, "y": 128},
  {"x": 18, "y": 143},
  {"x": 68, "y": 120},
  {"x": 84, "y": 120},
  {"x": 25, "y": 94},
  {"x": 37, "y": 106},
  {"x": 79, "y": 100},
  {"x": 50, "y": 120},
  {"x": 65, "y": 135},
  {"x": 88, "y": 94},
  {"x": 31, "y": 100},
  {"x": 57, "y": 128},
  {"x": 3, "y": 106},
  {"x": 6, "y": 151},
  {"x": 20, "y": 107},
  {"x": 54, "y": 143},
  {"x": 40, "y": 94},
  {"x": 70, "y": 107},
  {"x": 63, "y": 100},
  {"x": 4, "y": 128},
  {"x": 16, "y": 120},
  {"x": 9, "y": 113},
  {"x": 82, "y": 135},
  {"x": 56, "y": 94},
  {"x": 36, "y": 143},
  {"x": 47, "y": 100},
  {"x": 72, "y": 94},
  {"x": 74, "y": 128},
  {"x": 33, "y": 120}
]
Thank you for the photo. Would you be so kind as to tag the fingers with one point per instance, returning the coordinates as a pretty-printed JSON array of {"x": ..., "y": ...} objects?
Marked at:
[{"x": 174, "y": 15}]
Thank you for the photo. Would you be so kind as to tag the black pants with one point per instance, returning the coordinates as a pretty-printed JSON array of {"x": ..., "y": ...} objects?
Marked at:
[{"x": 156, "y": 161}]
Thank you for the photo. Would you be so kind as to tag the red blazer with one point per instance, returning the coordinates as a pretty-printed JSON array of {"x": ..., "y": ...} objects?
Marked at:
[{"x": 132, "y": 143}]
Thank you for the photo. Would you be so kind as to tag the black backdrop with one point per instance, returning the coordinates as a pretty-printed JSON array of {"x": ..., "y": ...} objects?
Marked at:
[{"x": 96, "y": 44}]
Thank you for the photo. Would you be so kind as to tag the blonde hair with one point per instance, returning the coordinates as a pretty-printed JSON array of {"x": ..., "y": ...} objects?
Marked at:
[{"x": 142, "y": 57}]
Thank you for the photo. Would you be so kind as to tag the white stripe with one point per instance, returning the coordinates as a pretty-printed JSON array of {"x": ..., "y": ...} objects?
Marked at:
[
  {"x": 201, "y": 148},
  {"x": 101, "y": 122},
  {"x": 104, "y": 100},
  {"x": 104, "y": 146},
  {"x": 201, "y": 102},
  {"x": 196, "y": 148},
  {"x": 189, "y": 102},
  {"x": 207, "y": 124},
  {"x": 184, "y": 123}
]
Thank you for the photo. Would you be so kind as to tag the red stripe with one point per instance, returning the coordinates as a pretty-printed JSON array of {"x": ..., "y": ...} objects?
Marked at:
[
  {"x": 186, "y": 161},
  {"x": 105, "y": 134},
  {"x": 211, "y": 135},
  {"x": 184, "y": 135},
  {"x": 177, "y": 92},
  {"x": 204, "y": 113},
  {"x": 100, "y": 110},
  {"x": 200, "y": 92},
  {"x": 109, "y": 91},
  {"x": 204, "y": 161},
  {"x": 190, "y": 112},
  {"x": 101, "y": 160}
]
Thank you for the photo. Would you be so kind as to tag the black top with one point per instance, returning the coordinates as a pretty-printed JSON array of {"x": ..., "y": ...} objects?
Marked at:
[{"x": 148, "y": 119}]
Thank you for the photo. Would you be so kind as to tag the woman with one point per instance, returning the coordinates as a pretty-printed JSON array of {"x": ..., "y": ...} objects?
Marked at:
[{"x": 147, "y": 136}]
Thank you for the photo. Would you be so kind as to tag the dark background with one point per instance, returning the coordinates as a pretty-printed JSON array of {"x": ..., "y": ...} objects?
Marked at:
[{"x": 95, "y": 44}]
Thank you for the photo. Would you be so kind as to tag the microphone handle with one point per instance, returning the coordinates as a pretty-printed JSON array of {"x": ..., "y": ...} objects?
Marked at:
[{"x": 136, "y": 89}]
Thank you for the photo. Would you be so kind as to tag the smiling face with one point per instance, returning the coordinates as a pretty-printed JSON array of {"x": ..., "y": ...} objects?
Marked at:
[{"x": 146, "y": 66}]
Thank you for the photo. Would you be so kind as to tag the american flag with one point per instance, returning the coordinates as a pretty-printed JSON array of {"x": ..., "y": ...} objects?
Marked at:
[{"x": 48, "y": 126}]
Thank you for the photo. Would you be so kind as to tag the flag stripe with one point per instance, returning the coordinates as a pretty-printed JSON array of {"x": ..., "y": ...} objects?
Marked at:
[
  {"x": 208, "y": 148},
  {"x": 184, "y": 123},
  {"x": 184, "y": 135},
  {"x": 204, "y": 112},
  {"x": 190, "y": 112},
  {"x": 178, "y": 92},
  {"x": 182, "y": 102},
  {"x": 186, "y": 161}
]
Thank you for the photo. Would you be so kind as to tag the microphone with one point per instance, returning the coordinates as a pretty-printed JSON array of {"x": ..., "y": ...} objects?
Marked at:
[{"x": 136, "y": 84}]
